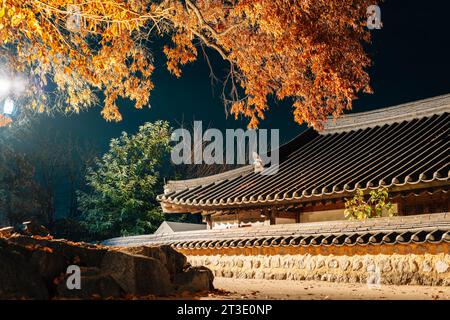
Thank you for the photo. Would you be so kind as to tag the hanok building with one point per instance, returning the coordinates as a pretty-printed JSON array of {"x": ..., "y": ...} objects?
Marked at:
[
  {"x": 291, "y": 225},
  {"x": 404, "y": 148}
]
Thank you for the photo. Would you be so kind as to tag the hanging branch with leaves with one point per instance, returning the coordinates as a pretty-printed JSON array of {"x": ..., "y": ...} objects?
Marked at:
[{"x": 71, "y": 52}]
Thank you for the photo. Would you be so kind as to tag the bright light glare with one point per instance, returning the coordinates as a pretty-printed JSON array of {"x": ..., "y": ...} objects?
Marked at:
[
  {"x": 5, "y": 87},
  {"x": 8, "y": 107},
  {"x": 16, "y": 86}
]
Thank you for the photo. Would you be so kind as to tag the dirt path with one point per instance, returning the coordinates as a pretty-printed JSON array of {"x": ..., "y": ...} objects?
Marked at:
[{"x": 308, "y": 290}]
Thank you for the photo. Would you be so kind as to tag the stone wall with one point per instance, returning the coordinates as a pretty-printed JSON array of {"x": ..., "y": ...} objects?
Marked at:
[{"x": 426, "y": 264}]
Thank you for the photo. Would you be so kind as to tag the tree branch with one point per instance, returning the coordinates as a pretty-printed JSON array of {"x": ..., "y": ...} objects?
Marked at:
[{"x": 204, "y": 24}]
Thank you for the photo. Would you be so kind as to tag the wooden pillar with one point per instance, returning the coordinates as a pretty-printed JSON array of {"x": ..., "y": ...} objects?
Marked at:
[
  {"x": 400, "y": 206},
  {"x": 297, "y": 216},
  {"x": 272, "y": 215},
  {"x": 208, "y": 221}
]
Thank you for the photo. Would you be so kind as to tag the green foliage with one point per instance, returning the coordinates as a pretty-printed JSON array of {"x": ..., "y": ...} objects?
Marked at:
[
  {"x": 358, "y": 208},
  {"x": 124, "y": 184}
]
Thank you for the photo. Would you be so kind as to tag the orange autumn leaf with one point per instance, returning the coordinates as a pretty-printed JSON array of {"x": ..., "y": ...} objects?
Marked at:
[
  {"x": 47, "y": 237},
  {"x": 4, "y": 120},
  {"x": 46, "y": 249},
  {"x": 31, "y": 247}
]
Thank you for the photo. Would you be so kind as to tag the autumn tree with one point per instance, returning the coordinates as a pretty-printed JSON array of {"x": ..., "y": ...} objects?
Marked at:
[
  {"x": 123, "y": 184},
  {"x": 309, "y": 52}
]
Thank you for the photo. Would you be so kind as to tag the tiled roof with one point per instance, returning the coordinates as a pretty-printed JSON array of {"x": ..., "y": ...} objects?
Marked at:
[
  {"x": 433, "y": 228},
  {"x": 411, "y": 151},
  {"x": 403, "y": 112}
]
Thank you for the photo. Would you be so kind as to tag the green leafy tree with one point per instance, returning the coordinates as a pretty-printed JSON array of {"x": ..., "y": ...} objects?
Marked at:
[
  {"x": 358, "y": 208},
  {"x": 124, "y": 184}
]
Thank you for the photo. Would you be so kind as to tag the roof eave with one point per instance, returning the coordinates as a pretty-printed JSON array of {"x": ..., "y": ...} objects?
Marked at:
[{"x": 169, "y": 207}]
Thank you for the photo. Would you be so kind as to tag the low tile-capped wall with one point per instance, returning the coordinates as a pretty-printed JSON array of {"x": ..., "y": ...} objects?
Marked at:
[
  {"x": 386, "y": 266},
  {"x": 401, "y": 229},
  {"x": 397, "y": 250}
]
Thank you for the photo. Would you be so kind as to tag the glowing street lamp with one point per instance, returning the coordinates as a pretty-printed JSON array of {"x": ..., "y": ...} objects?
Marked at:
[
  {"x": 8, "y": 88},
  {"x": 8, "y": 106}
]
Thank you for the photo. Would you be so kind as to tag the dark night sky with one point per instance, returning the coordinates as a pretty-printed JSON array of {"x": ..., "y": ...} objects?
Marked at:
[{"x": 410, "y": 61}]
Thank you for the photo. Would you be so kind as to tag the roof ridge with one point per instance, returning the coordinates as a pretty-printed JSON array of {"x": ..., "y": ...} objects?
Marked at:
[
  {"x": 389, "y": 115},
  {"x": 175, "y": 185},
  {"x": 183, "y": 223}
]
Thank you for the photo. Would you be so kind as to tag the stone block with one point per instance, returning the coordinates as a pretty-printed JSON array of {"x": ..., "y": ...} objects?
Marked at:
[
  {"x": 280, "y": 276},
  {"x": 333, "y": 263},
  {"x": 426, "y": 266},
  {"x": 228, "y": 274},
  {"x": 275, "y": 262},
  {"x": 311, "y": 265},
  {"x": 137, "y": 274},
  {"x": 320, "y": 263},
  {"x": 357, "y": 265},
  {"x": 441, "y": 266},
  {"x": 194, "y": 279},
  {"x": 247, "y": 264},
  {"x": 268, "y": 276},
  {"x": 344, "y": 264}
]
